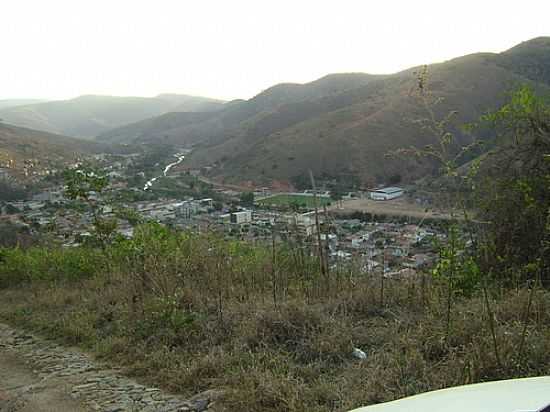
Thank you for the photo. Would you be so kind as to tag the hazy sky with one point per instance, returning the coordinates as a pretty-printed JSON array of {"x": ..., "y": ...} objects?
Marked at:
[{"x": 236, "y": 48}]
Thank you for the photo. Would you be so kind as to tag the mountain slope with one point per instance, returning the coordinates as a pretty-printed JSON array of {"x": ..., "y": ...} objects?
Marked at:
[
  {"x": 184, "y": 129},
  {"x": 530, "y": 59},
  {"x": 167, "y": 128},
  {"x": 352, "y": 139},
  {"x": 5, "y": 103},
  {"x": 20, "y": 147},
  {"x": 343, "y": 125},
  {"x": 88, "y": 116}
]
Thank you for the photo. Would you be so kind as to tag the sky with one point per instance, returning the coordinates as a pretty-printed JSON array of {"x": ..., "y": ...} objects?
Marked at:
[{"x": 229, "y": 49}]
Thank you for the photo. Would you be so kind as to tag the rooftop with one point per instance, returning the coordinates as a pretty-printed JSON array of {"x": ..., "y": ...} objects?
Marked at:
[{"x": 388, "y": 190}]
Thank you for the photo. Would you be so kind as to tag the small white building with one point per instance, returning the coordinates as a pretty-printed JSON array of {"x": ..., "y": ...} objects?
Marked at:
[
  {"x": 244, "y": 216},
  {"x": 341, "y": 254},
  {"x": 386, "y": 193}
]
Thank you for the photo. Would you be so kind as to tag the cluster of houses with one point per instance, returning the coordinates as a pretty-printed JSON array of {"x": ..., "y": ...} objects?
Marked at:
[
  {"x": 383, "y": 246},
  {"x": 389, "y": 248}
]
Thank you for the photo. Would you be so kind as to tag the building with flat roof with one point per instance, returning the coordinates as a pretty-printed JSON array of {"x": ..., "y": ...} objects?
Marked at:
[
  {"x": 386, "y": 193},
  {"x": 244, "y": 216}
]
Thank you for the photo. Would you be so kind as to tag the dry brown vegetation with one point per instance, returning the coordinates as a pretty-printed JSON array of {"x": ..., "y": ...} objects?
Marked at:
[
  {"x": 395, "y": 207},
  {"x": 343, "y": 125},
  {"x": 191, "y": 313},
  {"x": 47, "y": 150}
]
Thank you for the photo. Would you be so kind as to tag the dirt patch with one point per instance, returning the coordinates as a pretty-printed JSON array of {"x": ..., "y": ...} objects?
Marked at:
[{"x": 394, "y": 207}]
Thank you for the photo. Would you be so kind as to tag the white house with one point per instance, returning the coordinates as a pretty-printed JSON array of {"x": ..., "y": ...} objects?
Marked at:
[
  {"x": 386, "y": 193},
  {"x": 244, "y": 216}
]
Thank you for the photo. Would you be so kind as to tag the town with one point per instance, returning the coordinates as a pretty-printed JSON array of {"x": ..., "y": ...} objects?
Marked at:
[{"x": 397, "y": 245}]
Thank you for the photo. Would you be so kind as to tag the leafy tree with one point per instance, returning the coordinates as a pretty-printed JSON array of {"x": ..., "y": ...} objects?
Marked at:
[
  {"x": 513, "y": 196},
  {"x": 247, "y": 199},
  {"x": 133, "y": 217},
  {"x": 81, "y": 184}
]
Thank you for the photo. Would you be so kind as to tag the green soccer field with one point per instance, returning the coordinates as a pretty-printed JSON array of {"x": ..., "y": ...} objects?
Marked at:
[{"x": 288, "y": 200}]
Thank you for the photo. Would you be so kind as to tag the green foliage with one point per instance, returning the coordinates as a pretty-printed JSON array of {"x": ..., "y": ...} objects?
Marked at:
[
  {"x": 132, "y": 216},
  {"x": 514, "y": 197},
  {"x": 18, "y": 266},
  {"x": 80, "y": 185},
  {"x": 82, "y": 182},
  {"x": 457, "y": 265},
  {"x": 104, "y": 231},
  {"x": 247, "y": 199},
  {"x": 524, "y": 118}
]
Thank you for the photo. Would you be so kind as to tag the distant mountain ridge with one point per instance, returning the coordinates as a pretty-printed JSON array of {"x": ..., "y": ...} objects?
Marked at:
[
  {"x": 343, "y": 125},
  {"x": 6, "y": 103},
  {"x": 89, "y": 115}
]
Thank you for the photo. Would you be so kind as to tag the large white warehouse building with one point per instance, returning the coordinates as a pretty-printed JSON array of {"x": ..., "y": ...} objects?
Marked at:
[{"x": 386, "y": 193}]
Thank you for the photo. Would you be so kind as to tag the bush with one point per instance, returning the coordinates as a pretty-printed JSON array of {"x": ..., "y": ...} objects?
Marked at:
[{"x": 18, "y": 266}]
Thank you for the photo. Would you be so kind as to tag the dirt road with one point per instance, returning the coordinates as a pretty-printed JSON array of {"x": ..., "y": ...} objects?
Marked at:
[
  {"x": 22, "y": 390},
  {"x": 37, "y": 375}
]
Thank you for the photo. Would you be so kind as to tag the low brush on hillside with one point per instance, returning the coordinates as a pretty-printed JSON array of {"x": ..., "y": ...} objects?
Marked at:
[{"x": 194, "y": 312}]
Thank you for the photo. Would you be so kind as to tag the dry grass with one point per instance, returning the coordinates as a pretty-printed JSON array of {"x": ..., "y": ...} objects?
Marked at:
[
  {"x": 192, "y": 320},
  {"x": 395, "y": 207}
]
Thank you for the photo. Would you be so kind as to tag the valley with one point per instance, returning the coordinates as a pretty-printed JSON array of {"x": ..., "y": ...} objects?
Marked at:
[{"x": 319, "y": 246}]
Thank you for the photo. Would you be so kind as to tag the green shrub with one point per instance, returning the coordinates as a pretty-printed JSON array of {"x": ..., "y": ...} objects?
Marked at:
[{"x": 19, "y": 266}]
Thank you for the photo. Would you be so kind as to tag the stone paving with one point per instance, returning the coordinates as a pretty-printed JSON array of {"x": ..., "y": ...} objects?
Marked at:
[{"x": 94, "y": 386}]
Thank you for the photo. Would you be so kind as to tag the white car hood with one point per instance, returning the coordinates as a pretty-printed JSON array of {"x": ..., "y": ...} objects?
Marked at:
[{"x": 515, "y": 395}]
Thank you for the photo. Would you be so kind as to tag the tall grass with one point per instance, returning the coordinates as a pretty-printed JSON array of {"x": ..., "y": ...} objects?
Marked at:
[{"x": 194, "y": 312}]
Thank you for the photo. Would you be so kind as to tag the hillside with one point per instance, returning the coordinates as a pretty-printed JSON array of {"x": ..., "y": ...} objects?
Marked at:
[
  {"x": 5, "y": 103},
  {"x": 183, "y": 128},
  {"x": 169, "y": 127},
  {"x": 88, "y": 116},
  {"x": 344, "y": 124},
  {"x": 20, "y": 146}
]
